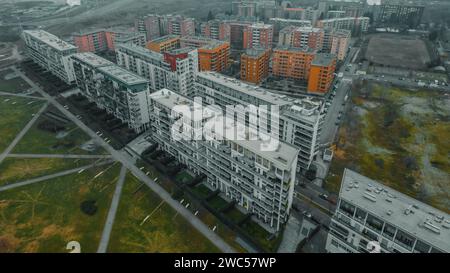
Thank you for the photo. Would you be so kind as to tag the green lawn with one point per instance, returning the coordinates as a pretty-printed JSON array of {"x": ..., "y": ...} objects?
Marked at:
[
  {"x": 164, "y": 230},
  {"x": 235, "y": 215},
  {"x": 38, "y": 141},
  {"x": 14, "y": 85},
  {"x": 183, "y": 176},
  {"x": 45, "y": 216},
  {"x": 217, "y": 202},
  {"x": 261, "y": 236},
  {"x": 19, "y": 169},
  {"x": 14, "y": 115}
]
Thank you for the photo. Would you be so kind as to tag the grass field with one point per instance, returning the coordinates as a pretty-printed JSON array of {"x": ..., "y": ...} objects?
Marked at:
[
  {"x": 15, "y": 113},
  {"x": 163, "y": 231},
  {"x": 400, "y": 138},
  {"x": 19, "y": 169},
  {"x": 14, "y": 85},
  {"x": 38, "y": 141},
  {"x": 44, "y": 217}
]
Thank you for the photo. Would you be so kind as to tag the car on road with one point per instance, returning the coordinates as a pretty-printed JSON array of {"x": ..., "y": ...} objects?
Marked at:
[
  {"x": 323, "y": 196},
  {"x": 302, "y": 185},
  {"x": 307, "y": 214}
]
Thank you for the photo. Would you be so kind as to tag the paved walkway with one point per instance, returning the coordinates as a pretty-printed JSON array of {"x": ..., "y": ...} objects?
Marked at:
[
  {"x": 47, "y": 177},
  {"x": 127, "y": 161},
  {"x": 21, "y": 96},
  {"x": 58, "y": 156},
  {"x": 104, "y": 241},
  {"x": 22, "y": 133}
]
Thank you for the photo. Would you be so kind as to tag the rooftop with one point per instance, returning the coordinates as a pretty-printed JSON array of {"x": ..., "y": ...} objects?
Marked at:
[
  {"x": 92, "y": 59},
  {"x": 276, "y": 19},
  {"x": 345, "y": 19},
  {"x": 258, "y": 92},
  {"x": 423, "y": 221},
  {"x": 255, "y": 52},
  {"x": 323, "y": 59},
  {"x": 50, "y": 39},
  {"x": 296, "y": 49},
  {"x": 123, "y": 75},
  {"x": 282, "y": 156},
  {"x": 142, "y": 51},
  {"x": 164, "y": 38}
]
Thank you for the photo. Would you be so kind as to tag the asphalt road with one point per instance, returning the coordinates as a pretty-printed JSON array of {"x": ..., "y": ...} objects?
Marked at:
[{"x": 128, "y": 162}]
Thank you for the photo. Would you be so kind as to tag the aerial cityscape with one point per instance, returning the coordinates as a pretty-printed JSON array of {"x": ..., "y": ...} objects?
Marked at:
[{"x": 224, "y": 126}]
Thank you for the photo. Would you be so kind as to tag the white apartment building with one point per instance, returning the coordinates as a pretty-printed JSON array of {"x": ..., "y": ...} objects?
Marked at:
[
  {"x": 261, "y": 182},
  {"x": 369, "y": 211},
  {"x": 178, "y": 73},
  {"x": 299, "y": 121},
  {"x": 50, "y": 52},
  {"x": 118, "y": 91},
  {"x": 354, "y": 24}
]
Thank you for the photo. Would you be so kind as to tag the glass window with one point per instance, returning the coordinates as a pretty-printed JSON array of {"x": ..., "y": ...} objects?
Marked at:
[
  {"x": 421, "y": 247},
  {"x": 360, "y": 215},
  {"x": 374, "y": 222},
  {"x": 404, "y": 239},
  {"x": 347, "y": 208},
  {"x": 389, "y": 231},
  {"x": 434, "y": 250},
  {"x": 369, "y": 234}
]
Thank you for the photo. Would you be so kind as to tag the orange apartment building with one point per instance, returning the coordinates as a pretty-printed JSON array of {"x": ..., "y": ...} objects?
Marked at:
[
  {"x": 164, "y": 44},
  {"x": 214, "y": 56},
  {"x": 293, "y": 63},
  {"x": 321, "y": 74},
  {"x": 255, "y": 65},
  {"x": 99, "y": 40}
]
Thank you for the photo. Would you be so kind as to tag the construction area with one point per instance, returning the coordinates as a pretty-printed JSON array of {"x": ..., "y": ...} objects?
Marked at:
[{"x": 398, "y": 137}]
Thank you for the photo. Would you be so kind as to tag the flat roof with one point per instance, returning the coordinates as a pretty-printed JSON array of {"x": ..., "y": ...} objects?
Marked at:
[
  {"x": 344, "y": 19},
  {"x": 323, "y": 59},
  {"x": 92, "y": 59},
  {"x": 123, "y": 75},
  {"x": 290, "y": 20},
  {"x": 255, "y": 52},
  {"x": 258, "y": 92},
  {"x": 142, "y": 51},
  {"x": 419, "y": 219},
  {"x": 296, "y": 49},
  {"x": 282, "y": 156},
  {"x": 50, "y": 39},
  {"x": 170, "y": 99},
  {"x": 164, "y": 38}
]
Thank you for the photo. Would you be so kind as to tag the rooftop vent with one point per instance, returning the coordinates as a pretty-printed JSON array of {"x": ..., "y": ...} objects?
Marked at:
[
  {"x": 370, "y": 196},
  {"x": 428, "y": 225}
]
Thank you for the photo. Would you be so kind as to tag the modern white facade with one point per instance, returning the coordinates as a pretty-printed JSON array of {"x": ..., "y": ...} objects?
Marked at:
[
  {"x": 118, "y": 91},
  {"x": 299, "y": 121},
  {"x": 261, "y": 182},
  {"x": 369, "y": 211},
  {"x": 154, "y": 67},
  {"x": 50, "y": 52},
  {"x": 354, "y": 24}
]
